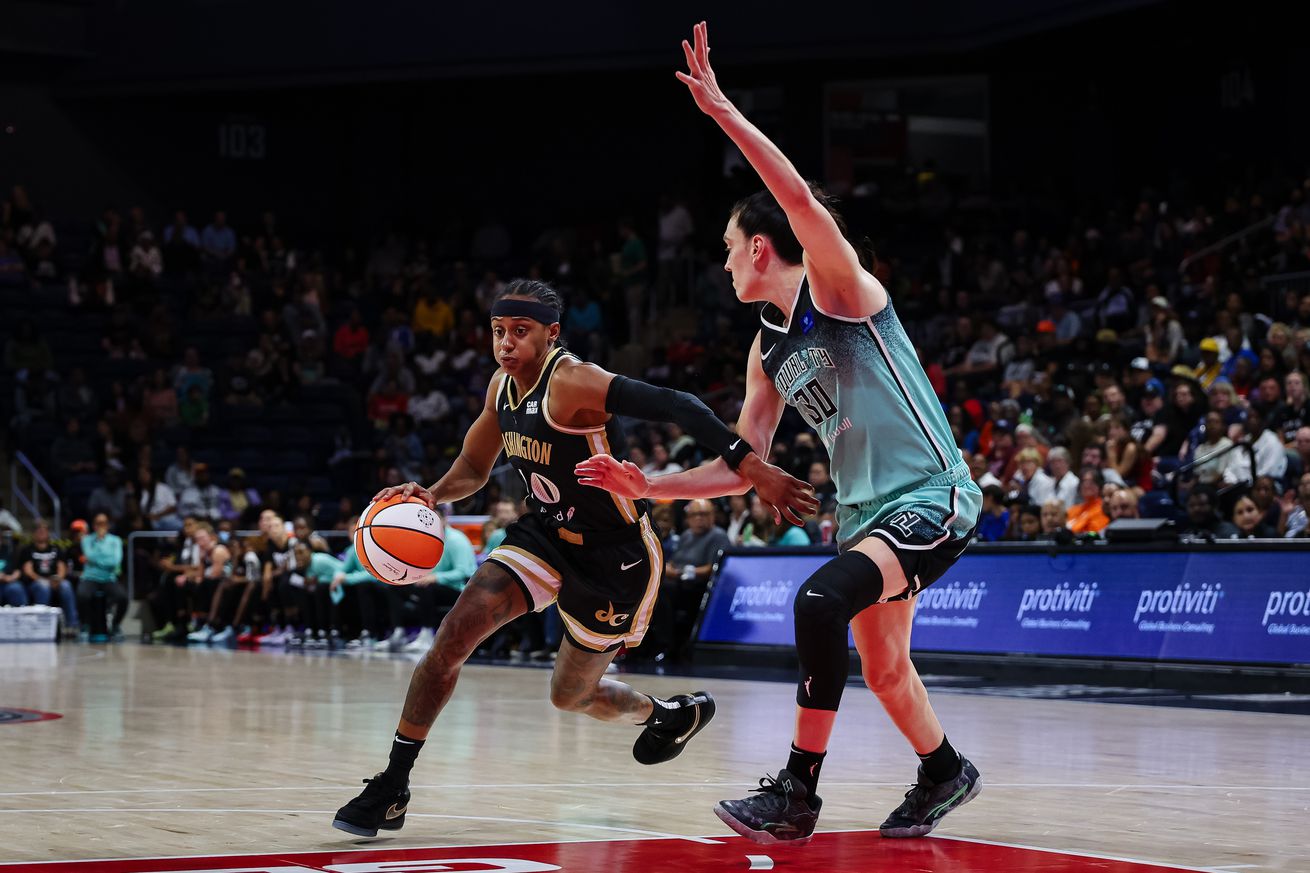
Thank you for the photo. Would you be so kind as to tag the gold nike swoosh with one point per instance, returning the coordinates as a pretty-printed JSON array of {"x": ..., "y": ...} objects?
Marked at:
[
  {"x": 396, "y": 813},
  {"x": 695, "y": 720}
]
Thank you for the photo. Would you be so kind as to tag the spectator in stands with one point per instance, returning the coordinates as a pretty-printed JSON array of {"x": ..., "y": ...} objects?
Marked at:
[
  {"x": 146, "y": 262},
  {"x": 193, "y": 411},
  {"x": 1212, "y": 456},
  {"x": 103, "y": 554},
  {"x": 201, "y": 498},
  {"x": 158, "y": 503},
  {"x": 1296, "y": 506},
  {"x": 1263, "y": 492},
  {"x": 1294, "y": 412},
  {"x": 1224, "y": 400},
  {"x": 660, "y": 464},
  {"x": 179, "y": 475},
  {"x": 394, "y": 371},
  {"x": 13, "y": 272},
  {"x": 687, "y": 571},
  {"x": 110, "y": 496},
  {"x": 181, "y": 245},
  {"x": 76, "y": 398},
  {"x": 1267, "y": 396},
  {"x": 402, "y": 448},
  {"x": 45, "y": 570},
  {"x": 239, "y": 501},
  {"x": 432, "y": 313},
  {"x": 1151, "y": 403},
  {"x": 1054, "y": 517},
  {"x": 192, "y": 374},
  {"x": 503, "y": 513},
  {"x": 12, "y": 592},
  {"x": 1088, "y": 516},
  {"x": 1202, "y": 520},
  {"x": 218, "y": 245},
  {"x": 1164, "y": 334},
  {"x": 71, "y": 453},
  {"x": 1209, "y": 368},
  {"x": 351, "y": 340},
  {"x": 995, "y": 520},
  {"x": 1298, "y": 459},
  {"x": 1169, "y": 434},
  {"x": 1249, "y": 521},
  {"x": 1270, "y": 456},
  {"x": 1060, "y": 484},
  {"x": 633, "y": 276},
  {"x": 1030, "y": 524},
  {"x": 1123, "y": 504},
  {"x": 1116, "y": 307}
]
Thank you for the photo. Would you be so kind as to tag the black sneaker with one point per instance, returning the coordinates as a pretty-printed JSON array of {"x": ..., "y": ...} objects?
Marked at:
[
  {"x": 779, "y": 812},
  {"x": 664, "y": 739},
  {"x": 926, "y": 802},
  {"x": 379, "y": 807}
]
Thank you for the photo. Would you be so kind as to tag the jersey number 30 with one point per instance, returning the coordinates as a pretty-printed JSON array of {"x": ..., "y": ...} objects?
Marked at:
[{"x": 814, "y": 403}]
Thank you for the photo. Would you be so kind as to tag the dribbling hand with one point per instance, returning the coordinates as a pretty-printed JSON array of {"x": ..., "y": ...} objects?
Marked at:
[
  {"x": 409, "y": 489},
  {"x": 699, "y": 77},
  {"x": 609, "y": 474}
]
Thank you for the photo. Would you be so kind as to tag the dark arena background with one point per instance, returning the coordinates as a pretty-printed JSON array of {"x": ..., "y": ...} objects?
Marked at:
[{"x": 248, "y": 253}]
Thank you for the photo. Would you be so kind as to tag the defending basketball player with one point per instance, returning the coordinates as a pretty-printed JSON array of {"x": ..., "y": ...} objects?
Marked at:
[
  {"x": 830, "y": 345},
  {"x": 595, "y": 554}
]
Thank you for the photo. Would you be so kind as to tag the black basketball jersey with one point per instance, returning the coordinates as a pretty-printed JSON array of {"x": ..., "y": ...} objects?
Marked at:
[{"x": 545, "y": 453}]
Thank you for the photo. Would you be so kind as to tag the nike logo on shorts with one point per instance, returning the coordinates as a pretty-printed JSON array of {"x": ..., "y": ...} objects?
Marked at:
[{"x": 629, "y": 566}]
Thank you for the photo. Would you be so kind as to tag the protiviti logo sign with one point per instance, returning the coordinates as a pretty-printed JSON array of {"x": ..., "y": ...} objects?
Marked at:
[
  {"x": 1063, "y": 607},
  {"x": 954, "y": 604},
  {"x": 1287, "y": 604},
  {"x": 1181, "y": 609}
]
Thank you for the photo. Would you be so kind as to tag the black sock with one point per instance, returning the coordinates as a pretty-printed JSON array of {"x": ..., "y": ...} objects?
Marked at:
[
  {"x": 404, "y": 751},
  {"x": 942, "y": 764},
  {"x": 666, "y": 716},
  {"x": 805, "y": 766}
]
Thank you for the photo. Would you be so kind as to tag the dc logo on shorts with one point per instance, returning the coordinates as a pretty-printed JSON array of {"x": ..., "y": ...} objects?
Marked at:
[{"x": 905, "y": 521}]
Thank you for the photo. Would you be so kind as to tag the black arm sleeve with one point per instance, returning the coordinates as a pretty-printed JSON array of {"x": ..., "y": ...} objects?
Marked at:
[{"x": 650, "y": 403}]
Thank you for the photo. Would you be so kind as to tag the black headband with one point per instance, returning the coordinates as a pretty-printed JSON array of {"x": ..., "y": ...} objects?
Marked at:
[{"x": 508, "y": 307}]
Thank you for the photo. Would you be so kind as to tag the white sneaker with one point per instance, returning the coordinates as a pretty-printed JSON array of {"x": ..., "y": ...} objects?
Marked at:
[
  {"x": 393, "y": 643},
  {"x": 422, "y": 642},
  {"x": 363, "y": 644},
  {"x": 223, "y": 637},
  {"x": 204, "y": 635}
]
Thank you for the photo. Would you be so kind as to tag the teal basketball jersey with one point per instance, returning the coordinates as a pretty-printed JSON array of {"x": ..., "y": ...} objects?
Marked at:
[{"x": 859, "y": 384}]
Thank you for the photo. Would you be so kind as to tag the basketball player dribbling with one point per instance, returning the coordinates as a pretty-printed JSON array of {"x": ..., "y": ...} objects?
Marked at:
[
  {"x": 594, "y": 554},
  {"x": 830, "y": 345}
]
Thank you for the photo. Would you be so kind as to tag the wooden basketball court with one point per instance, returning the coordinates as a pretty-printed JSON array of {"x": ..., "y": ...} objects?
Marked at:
[{"x": 192, "y": 759}]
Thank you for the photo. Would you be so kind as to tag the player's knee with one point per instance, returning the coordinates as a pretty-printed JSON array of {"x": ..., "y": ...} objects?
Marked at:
[
  {"x": 886, "y": 674},
  {"x": 839, "y": 589},
  {"x": 568, "y": 695}
]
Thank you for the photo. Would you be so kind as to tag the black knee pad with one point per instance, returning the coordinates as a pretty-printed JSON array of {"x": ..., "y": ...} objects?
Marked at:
[{"x": 823, "y": 610}]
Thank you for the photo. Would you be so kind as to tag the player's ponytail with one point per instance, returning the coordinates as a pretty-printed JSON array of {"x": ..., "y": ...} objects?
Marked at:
[{"x": 761, "y": 214}]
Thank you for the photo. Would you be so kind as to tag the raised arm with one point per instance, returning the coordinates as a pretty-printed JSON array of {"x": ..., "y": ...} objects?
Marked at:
[
  {"x": 839, "y": 284},
  {"x": 790, "y": 498},
  {"x": 470, "y": 471}
]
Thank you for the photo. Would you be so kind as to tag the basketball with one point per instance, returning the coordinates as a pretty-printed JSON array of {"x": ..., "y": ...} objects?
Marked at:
[{"x": 399, "y": 540}]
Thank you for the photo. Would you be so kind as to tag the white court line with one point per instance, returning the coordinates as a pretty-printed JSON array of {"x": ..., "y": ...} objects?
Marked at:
[
  {"x": 1168, "y": 865},
  {"x": 552, "y": 786},
  {"x": 1072, "y": 852},
  {"x": 156, "y": 810}
]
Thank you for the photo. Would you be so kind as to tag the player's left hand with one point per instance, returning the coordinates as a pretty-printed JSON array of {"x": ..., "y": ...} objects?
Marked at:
[
  {"x": 789, "y": 498},
  {"x": 610, "y": 474},
  {"x": 699, "y": 77}
]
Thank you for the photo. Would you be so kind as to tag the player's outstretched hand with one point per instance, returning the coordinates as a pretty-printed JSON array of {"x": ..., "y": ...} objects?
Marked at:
[
  {"x": 409, "y": 489},
  {"x": 609, "y": 474},
  {"x": 699, "y": 77},
  {"x": 790, "y": 499}
]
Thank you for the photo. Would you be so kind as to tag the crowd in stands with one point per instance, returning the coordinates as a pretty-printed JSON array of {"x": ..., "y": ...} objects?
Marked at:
[{"x": 205, "y": 380}]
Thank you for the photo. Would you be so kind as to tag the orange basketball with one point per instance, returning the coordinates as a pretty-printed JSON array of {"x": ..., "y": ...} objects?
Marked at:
[{"x": 399, "y": 540}]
